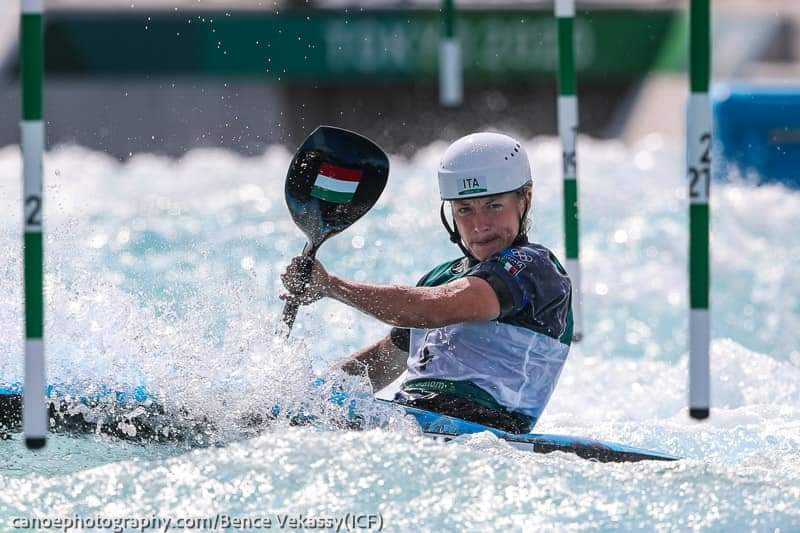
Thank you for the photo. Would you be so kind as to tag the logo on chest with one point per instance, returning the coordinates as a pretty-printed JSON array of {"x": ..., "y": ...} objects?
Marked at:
[{"x": 512, "y": 264}]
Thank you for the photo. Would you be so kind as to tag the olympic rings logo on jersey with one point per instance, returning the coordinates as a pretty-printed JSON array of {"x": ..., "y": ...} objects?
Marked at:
[{"x": 522, "y": 256}]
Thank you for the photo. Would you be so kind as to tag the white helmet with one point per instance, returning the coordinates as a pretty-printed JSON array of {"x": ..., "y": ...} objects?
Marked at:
[{"x": 483, "y": 164}]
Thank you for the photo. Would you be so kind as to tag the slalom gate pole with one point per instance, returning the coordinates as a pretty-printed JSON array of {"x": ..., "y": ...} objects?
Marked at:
[
  {"x": 568, "y": 130},
  {"x": 34, "y": 417},
  {"x": 698, "y": 174},
  {"x": 451, "y": 85}
]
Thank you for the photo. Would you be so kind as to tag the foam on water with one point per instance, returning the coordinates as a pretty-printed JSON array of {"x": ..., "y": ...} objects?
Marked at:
[{"x": 165, "y": 272}]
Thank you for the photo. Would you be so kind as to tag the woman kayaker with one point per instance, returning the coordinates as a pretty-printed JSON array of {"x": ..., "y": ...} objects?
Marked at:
[{"x": 483, "y": 337}]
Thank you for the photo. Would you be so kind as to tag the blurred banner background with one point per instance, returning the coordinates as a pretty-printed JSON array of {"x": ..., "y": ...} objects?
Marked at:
[{"x": 166, "y": 76}]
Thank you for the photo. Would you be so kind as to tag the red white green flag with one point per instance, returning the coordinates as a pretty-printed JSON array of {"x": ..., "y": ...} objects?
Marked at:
[{"x": 336, "y": 184}]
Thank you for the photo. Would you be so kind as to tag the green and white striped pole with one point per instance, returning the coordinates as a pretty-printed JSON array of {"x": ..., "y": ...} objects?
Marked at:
[
  {"x": 568, "y": 131},
  {"x": 32, "y": 132},
  {"x": 451, "y": 92},
  {"x": 698, "y": 173}
]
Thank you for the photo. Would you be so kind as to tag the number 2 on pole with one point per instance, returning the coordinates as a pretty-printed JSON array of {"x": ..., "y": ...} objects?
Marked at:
[
  {"x": 706, "y": 157},
  {"x": 33, "y": 207}
]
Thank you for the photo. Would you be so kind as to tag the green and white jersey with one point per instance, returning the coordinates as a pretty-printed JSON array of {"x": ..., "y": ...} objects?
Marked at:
[{"x": 516, "y": 358}]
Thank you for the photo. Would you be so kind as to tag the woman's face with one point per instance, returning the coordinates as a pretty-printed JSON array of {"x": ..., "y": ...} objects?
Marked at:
[{"x": 489, "y": 224}]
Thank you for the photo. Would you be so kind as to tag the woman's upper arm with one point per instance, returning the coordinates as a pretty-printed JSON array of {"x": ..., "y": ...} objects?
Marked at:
[{"x": 463, "y": 300}]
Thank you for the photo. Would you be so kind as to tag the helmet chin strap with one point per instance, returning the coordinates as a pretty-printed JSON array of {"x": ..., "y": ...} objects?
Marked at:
[
  {"x": 522, "y": 237},
  {"x": 455, "y": 236}
]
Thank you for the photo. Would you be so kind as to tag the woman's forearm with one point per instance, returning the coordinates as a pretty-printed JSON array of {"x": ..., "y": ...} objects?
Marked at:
[
  {"x": 407, "y": 307},
  {"x": 462, "y": 300},
  {"x": 382, "y": 361}
]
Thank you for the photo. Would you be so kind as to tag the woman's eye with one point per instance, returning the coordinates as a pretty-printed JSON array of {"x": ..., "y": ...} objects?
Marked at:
[
  {"x": 496, "y": 206},
  {"x": 463, "y": 210}
]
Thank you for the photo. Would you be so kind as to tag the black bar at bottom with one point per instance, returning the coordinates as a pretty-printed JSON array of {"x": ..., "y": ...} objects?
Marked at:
[{"x": 35, "y": 444}]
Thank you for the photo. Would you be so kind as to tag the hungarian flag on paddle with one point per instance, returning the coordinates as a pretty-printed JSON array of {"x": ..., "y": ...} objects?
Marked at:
[{"x": 336, "y": 184}]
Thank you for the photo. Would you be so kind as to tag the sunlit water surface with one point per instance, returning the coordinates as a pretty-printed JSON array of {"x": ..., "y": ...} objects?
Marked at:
[{"x": 165, "y": 273}]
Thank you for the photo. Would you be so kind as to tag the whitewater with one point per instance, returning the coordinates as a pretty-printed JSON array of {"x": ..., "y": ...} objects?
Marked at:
[{"x": 165, "y": 272}]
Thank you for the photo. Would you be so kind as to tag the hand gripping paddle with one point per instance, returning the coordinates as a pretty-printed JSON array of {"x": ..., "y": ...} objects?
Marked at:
[{"x": 335, "y": 177}]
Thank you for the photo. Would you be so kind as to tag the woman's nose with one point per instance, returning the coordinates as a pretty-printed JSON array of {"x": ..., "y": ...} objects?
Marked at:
[{"x": 481, "y": 222}]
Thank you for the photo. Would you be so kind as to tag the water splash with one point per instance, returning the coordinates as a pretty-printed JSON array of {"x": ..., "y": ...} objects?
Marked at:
[{"x": 165, "y": 272}]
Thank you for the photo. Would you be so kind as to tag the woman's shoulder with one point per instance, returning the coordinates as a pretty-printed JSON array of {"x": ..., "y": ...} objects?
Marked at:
[
  {"x": 445, "y": 272},
  {"x": 531, "y": 254}
]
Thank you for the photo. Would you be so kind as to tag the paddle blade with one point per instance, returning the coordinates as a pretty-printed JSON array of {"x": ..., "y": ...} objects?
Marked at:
[{"x": 336, "y": 176}]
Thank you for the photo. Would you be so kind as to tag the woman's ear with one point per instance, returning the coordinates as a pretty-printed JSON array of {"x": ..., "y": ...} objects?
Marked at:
[{"x": 525, "y": 201}]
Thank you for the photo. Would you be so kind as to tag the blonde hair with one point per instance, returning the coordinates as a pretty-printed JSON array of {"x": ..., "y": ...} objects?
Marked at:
[{"x": 522, "y": 192}]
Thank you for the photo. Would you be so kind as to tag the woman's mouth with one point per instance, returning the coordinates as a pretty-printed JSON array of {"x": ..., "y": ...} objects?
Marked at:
[{"x": 484, "y": 242}]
